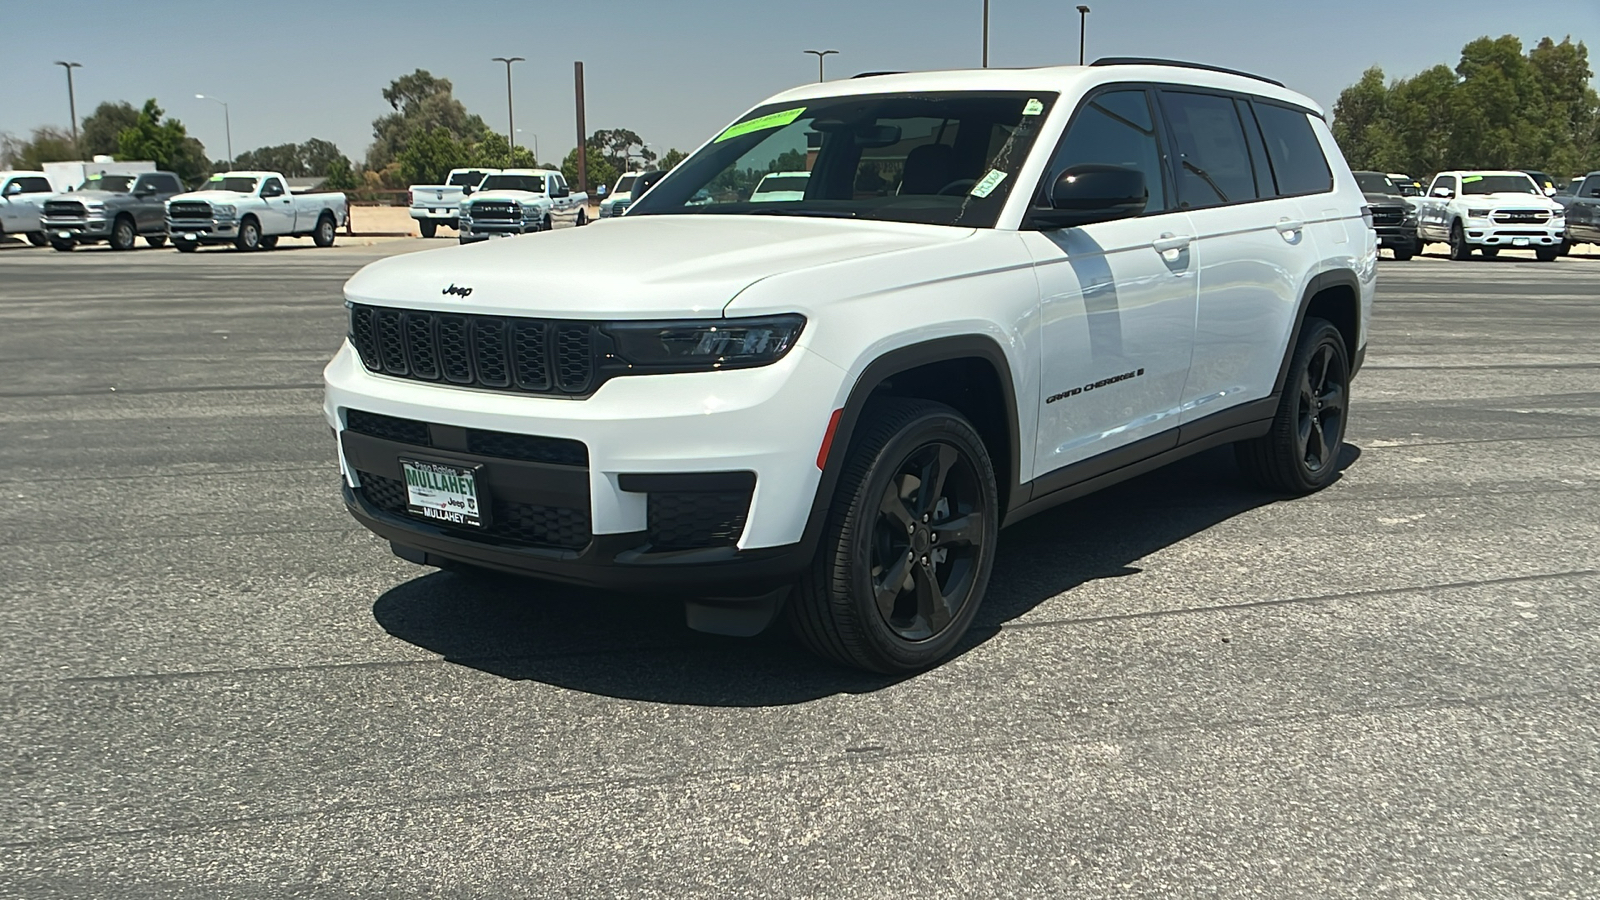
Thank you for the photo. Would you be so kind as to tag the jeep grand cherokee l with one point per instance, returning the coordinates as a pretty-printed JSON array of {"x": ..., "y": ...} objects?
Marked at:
[{"x": 996, "y": 291}]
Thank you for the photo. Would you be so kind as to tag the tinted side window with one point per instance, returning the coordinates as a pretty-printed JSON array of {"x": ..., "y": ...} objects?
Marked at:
[
  {"x": 165, "y": 184},
  {"x": 1591, "y": 187},
  {"x": 35, "y": 185},
  {"x": 1297, "y": 160},
  {"x": 272, "y": 188},
  {"x": 1443, "y": 181},
  {"x": 1213, "y": 159},
  {"x": 1115, "y": 129}
]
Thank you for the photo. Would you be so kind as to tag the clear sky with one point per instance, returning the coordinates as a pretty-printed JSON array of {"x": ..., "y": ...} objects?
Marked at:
[{"x": 673, "y": 70}]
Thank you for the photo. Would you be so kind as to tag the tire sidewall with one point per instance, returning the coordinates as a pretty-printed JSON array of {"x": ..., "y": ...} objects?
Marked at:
[
  {"x": 249, "y": 227},
  {"x": 1323, "y": 333},
  {"x": 325, "y": 232},
  {"x": 121, "y": 228}
]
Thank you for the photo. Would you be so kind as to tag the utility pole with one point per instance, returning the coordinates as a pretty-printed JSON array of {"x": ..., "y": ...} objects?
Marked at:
[
  {"x": 986, "y": 34},
  {"x": 227, "y": 123},
  {"x": 583, "y": 130},
  {"x": 72, "y": 101},
  {"x": 511, "y": 121},
  {"x": 820, "y": 54},
  {"x": 1083, "y": 25}
]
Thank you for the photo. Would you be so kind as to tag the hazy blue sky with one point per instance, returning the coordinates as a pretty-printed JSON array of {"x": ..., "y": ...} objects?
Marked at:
[{"x": 672, "y": 70}]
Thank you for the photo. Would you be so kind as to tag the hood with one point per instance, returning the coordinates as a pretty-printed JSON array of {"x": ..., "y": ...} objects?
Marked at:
[
  {"x": 503, "y": 194},
  {"x": 1375, "y": 198},
  {"x": 640, "y": 267},
  {"x": 213, "y": 196},
  {"x": 1531, "y": 201},
  {"x": 92, "y": 196}
]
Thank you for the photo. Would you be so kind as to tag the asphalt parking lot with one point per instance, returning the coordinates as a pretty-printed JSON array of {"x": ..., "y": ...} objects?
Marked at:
[{"x": 214, "y": 684}]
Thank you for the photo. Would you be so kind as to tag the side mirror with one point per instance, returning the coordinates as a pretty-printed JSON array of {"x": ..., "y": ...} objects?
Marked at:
[
  {"x": 1084, "y": 195},
  {"x": 1443, "y": 193},
  {"x": 644, "y": 182},
  {"x": 466, "y": 190},
  {"x": 13, "y": 189}
]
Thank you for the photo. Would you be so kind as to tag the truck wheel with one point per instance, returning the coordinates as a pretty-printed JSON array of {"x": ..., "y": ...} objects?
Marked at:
[
  {"x": 63, "y": 245},
  {"x": 1403, "y": 254},
  {"x": 1547, "y": 254},
  {"x": 249, "y": 238},
  {"x": 1565, "y": 247},
  {"x": 583, "y": 218},
  {"x": 428, "y": 227},
  {"x": 1300, "y": 454},
  {"x": 156, "y": 241},
  {"x": 544, "y": 224},
  {"x": 1459, "y": 248},
  {"x": 38, "y": 238},
  {"x": 185, "y": 246},
  {"x": 269, "y": 242},
  {"x": 906, "y": 552},
  {"x": 323, "y": 236},
  {"x": 123, "y": 234}
]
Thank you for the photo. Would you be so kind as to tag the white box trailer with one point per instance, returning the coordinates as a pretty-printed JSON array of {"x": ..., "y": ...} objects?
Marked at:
[{"x": 67, "y": 176}]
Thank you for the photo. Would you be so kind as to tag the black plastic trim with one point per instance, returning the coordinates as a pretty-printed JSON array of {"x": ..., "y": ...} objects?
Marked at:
[
  {"x": 1320, "y": 282},
  {"x": 687, "y": 482},
  {"x": 1180, "y": 64}
]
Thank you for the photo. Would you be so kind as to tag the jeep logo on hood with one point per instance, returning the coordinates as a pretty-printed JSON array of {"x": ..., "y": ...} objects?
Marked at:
[{"x": 462, "y": 292}]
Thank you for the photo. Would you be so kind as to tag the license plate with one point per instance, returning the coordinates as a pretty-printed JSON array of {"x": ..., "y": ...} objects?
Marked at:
[
  {"x": 445, "y": 493},
  {"x": 1519, "y": 242}
]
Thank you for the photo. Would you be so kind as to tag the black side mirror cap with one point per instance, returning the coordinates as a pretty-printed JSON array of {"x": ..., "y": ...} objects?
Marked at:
[{"x": 1086, "y": 194}]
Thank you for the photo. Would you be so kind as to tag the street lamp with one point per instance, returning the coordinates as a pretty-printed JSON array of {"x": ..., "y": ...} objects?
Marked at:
[
  {"x": 511, "y": 123},
  {"x": 227, "y": 123},
  {"x": 72, "y": 101},
  {"x": 820, "y": 54},
  {"x": 1083, "y": 24}
]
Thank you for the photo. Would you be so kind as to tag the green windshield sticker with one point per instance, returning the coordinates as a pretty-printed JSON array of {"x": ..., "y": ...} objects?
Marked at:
[
  {"x": 773, "y": 120},
  {"x": 990, "y": 181},
  {"x": 1033, "y": 108},
  {"x": 1468, "y": 179}
]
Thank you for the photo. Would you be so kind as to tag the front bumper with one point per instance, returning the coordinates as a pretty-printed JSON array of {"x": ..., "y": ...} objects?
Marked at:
[
  {"x": 203, "y": 231},
  {"x": 1483, "y": 234},
  {"x": 473, "y": 230},
  {"x": 78, "y": 229},
  {"x": 1398, "y": 236},
  {"x": 646, "y": 437},
  {"x": 436, "y": 213}
]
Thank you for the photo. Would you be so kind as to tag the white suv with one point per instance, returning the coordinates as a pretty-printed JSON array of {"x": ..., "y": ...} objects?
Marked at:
[{"x": 999, "y": 290}]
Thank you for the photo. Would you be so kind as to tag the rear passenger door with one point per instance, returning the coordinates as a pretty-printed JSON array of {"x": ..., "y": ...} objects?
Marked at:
[
  {"x": 1117, "y": 300},
  {"x": 1254, "y": 250}
]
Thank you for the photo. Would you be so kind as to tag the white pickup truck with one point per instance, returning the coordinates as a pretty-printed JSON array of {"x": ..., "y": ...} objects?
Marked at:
[
  {"x": 251, "y": 210},
  {"x": 22, "y": 196},
  {"x": 433, "y": 205},
  {"x": 1487, "y": 211},
  {"x": 521, "y": 201}
]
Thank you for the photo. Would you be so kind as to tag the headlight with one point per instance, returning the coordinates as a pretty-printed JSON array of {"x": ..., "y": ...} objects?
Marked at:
[
  {"x": 224, "y": 212},
  {"x": 1477, "y": 214},
  {"x": 704, "y": 345}
]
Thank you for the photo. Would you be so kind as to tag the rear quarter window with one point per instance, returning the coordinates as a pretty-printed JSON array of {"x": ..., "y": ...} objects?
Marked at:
[{"x": 1292, "y": 146}]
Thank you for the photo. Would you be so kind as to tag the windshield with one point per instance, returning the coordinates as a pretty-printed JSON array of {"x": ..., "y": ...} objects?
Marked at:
[
  {"x": 119, "y": 184},
  {"x": 1374, "y": 183},
  {"x": 1407, "y": 189},
  {"x": 533, "y": 184},
  {"x": 465, "y": 179},
  {"x": 238, "y": 184},
  {"x": 1497, "y": 184},
  {"x": 624, "y": 184},
  {"x": 947, "y": 158}
]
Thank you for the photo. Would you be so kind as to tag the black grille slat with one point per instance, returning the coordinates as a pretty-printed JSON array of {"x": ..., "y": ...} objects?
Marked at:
[
  {"x": 455, "y": 358},
  {"x": 363, "y": 337},
  {"x": 529, "y": 355},
  {"x": 390, "y": 428},
  {"x": 189, "y": 210},
  {"x": 531, "y": 448},
  {"x": 1388, "y": 216},
  {"x": 574, "y": 357},
  {"x": 500, "y": 212},
  {"x": 420, "y": 349},
  {"x": 489, "y": 352},
  {"x": 557, "y": 527},
  {"x": 391, "y": 343},
  {"x": 64, "y": 208}
]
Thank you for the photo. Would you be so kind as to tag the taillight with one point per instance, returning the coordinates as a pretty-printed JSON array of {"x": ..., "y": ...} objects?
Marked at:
[
  {"x": 1366, "y": 217},
  {"x": 411, "y": 199}
]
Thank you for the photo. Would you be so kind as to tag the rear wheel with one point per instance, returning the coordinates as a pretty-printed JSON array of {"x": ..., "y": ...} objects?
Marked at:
[
  {"x": 269, "y": 242},
  {"x": 156, "y": 240},
  {"x": 428, "y": 227},
  {"x": 123, "y": 234},
  {"x": 1459, "y": 248},
  {"x": 249, "y": 239},
  {"x": 544, "y": 224},
  {"x": 1489, "y": 252},
  {"x": 323, "y": 236},
  {"x": 1404, "y": 253},
  {"x": 583, "y": 218},
  {"x": 186, "y": 246},
  {"x": 906, "y": 553},
  {"x": 38, "y": 238},
  {"x": 1300, "y": 454},
  {"x": 62, "y": 244},
  {"x": 1547, "y": 254}
]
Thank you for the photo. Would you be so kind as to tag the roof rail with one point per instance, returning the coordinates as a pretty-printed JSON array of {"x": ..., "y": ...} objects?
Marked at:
[
  {"x": 874, "y": 74},
  {"x": 1148, "y": 61}
]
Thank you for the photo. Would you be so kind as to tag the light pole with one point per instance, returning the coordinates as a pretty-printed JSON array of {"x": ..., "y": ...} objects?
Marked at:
[
  {"x": 1083, "y": 24},
  {"x": 227, "y": 123},
  {"x": 820, "y": 54},
  {"x": 535, "y": 144},
  {"x": 72, "y": 101},
  {"x": 986, "y": 34},
  {"x": 511, "y": 122}
]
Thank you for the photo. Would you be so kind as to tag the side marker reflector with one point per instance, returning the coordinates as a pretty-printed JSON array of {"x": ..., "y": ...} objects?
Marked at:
[{"x": 827, "y": 438}]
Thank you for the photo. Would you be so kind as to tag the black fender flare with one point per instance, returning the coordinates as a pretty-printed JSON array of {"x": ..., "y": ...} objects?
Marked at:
[{"x": 1320, "y": 282}]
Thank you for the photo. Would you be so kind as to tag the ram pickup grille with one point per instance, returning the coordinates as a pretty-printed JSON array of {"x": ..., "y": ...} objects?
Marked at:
[
  {"x": 1520, "y": 216},
  {"x": 189, "y": 210},
  {"x": 559, "y": 527},
  {"x": 498, "y": 212},
  {"x": 531, "y": 356},
  {"x": 64, "y": 209},
  {"x": 1383, "y": 216},
  {"x": 617, "y": 208}
]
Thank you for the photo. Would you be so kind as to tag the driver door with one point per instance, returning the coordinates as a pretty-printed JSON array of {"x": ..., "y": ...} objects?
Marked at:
[{"x": 277, "y": 208}]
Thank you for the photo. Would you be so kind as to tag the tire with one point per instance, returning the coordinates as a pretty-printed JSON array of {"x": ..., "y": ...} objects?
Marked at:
[
  {"x": 840, "y": 609},
  {"x": 269, "y": 242},
  {"x": 62, "y": 246},
  {"x": 454, "y": 224},
  {"x": 1460, "y": 250},
  {"x": 583, "y": 218},
  {"x": 1404, "y": 254},
  {"x": 544, "y": 223},
  {"x": 1489, "y": 252},
  {"x": 326, "y": 231},
  {"x": 38, "y": 238},
  {"x": 156, "y": 241},
  {"x": 1547, "y": 254},
  {"x": 1565, "y": 247},
  {"x": 249, "y": 239},
  {"x": 428, "y": 227},
  {"x": 185, "y": 246},
  {"x": 1300, "y": 454},
  {"x": 123, "y": 234}
]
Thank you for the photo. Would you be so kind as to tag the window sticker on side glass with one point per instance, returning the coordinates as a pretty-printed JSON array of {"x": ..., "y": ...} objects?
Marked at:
[
  {"x": 771, "y": 120},
  {"x": 1033, "y": 108},
  {"x": 990, "y": 181}
]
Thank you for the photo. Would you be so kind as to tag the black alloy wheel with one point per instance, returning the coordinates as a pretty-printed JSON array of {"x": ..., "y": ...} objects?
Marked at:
[
  {"x": 1459, "y": 248},
  {"x": 1300, "y": 452},
  {"x": 323, "y": 236},
  {"x": 249, "y": 238},
  {"x": 123, "y": 234},
  {"x": 905, "y": 558}
]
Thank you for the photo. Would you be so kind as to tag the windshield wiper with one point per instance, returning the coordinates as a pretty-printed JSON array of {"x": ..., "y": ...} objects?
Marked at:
[
  {"x": 808, "y": 213},
  {"x": 1202, "y": 173}
]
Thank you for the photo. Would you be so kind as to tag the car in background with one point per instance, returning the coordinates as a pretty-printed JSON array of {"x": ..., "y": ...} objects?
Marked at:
[
  {"x": 117, "y": 209},
  {"x": 433, "y": 205},
  {"x": 1583, "y": 211},
  {"x": 1489, "y": 211},
  {"x": 22, "y": 196},
  {"x": 1546, "y": 183},
  {"x": 1392, "y": 217},
  {"x": 521, "y": 201},
  {"x": 251, "y": 210},
  {"x": 780, "y": 186},
  {"x": 616, "y": 202}
]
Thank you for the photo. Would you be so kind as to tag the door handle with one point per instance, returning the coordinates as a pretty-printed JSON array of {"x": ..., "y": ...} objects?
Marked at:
[
  {"x": 1287, "y": 225},
  {"x": 1169, "y": 242}
]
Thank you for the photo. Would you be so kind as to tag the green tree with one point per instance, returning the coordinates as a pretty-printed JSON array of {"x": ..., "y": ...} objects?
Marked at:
[
  {"x": 617, "y": 144},
  {"x": 314, "y": 157},
  {"x": 422, "y": 105},
  {"x": 670, "y": 159},
  {"x": 340, "y": 176},
  {"x": 429, "y": 156},
  {"x": 165, "y": 142},
  {"x": 45, "y": 144},
  {"x": 101, "y": 127},
  {"x": 601, "y": 171},
  {"x": 494, "y": 152}
]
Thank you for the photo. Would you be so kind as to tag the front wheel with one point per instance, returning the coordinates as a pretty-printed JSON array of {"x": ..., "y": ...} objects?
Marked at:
[
  {"x": 1300, "y": 454},
  {"x": 544, "y": 224},
  {"x": 1547, "y": 254},
  {"x": 123, "y": 234},
  {"x": 1403, "y": 254},
  {"x": 583, "y": 218},
  {"x": 62, "y": 245},
  {"x": 428, "y": 227},
  {"x": 38, "y": 238},
  {"x": 156, "y": 241},
  {"x": 269, "y": 242},
  {"x": 186, "y": 246},
  {"x": 910, "y": 540},
  {"x": 1489, "y": 252},
  {"x": 323, "y": 236},
  {"x": 249, "y": 238},
  {"x": 1460, "y": 250}
]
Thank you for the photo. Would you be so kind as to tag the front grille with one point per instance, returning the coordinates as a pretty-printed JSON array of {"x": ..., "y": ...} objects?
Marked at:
[
  {"x": 501, "y": 444},
  {"x": 189, "y": 210},
  {"x": 501, "y": 212},
  {"x": 390, "y": 428},
  {"x": 535, "y": 356},
  {"x": 691, "y": 520},
  {"x": 1520, "y": 216},
  {"x": 64, "y": 209},
  {"x": 556, "y": 527},
  {"x": 1386, "y": 216}
]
